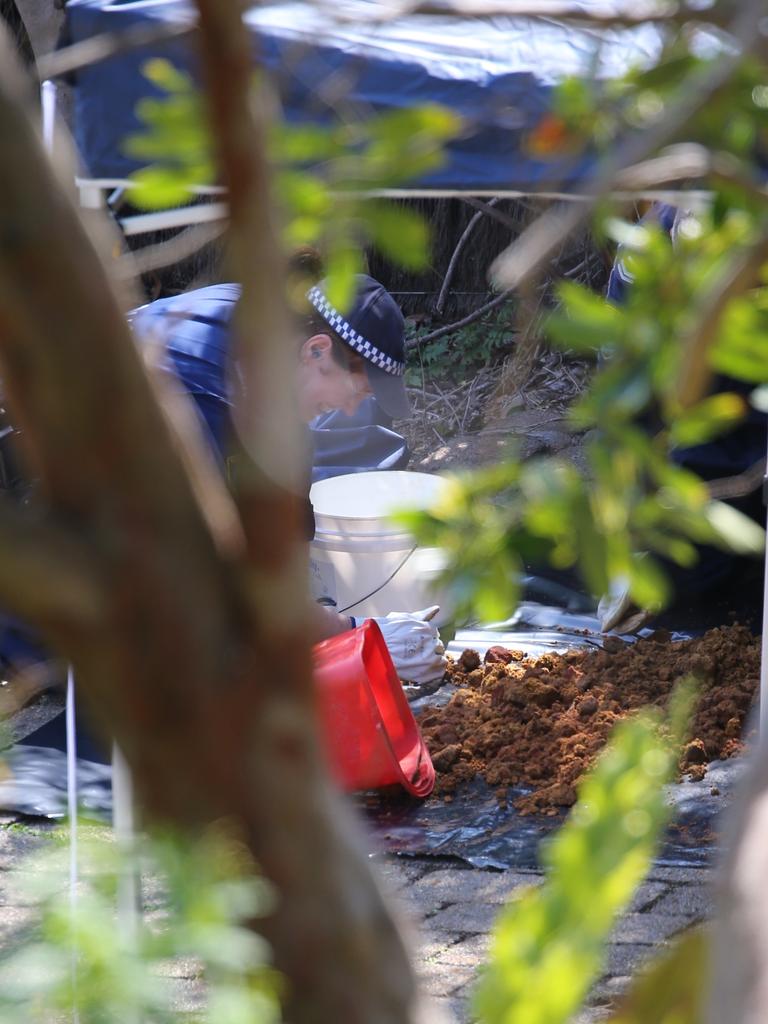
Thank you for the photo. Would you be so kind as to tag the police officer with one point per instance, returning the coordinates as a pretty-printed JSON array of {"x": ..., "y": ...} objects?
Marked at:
[{"x": 343, "y": 358}]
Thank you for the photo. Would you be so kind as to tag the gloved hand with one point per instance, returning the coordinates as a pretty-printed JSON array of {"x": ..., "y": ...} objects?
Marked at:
[{"x": 414, "y": 644}]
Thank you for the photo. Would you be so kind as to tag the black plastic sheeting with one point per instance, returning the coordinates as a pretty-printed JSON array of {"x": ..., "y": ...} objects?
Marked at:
[
  {"x": 471, "y": 827},
  {"x": 496, "y": 74},
  {"x": 37, "y": 784}
]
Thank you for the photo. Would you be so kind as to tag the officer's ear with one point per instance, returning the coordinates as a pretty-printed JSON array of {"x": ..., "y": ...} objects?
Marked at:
[{"x": 316, "y": 347}]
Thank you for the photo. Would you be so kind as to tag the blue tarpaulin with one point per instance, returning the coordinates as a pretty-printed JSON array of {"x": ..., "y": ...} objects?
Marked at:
[{"x": 496, "y": 73}]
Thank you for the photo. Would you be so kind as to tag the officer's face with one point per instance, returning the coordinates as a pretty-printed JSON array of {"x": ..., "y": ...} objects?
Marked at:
[{"x": 324, "y": 385}]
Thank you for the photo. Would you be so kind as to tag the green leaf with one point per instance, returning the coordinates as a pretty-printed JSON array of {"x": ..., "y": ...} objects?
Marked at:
[
  {"x": 166, "y": 76},
  {"x": 548, "y": 944},
  {"x": 648, "y": 584},
  {"x": 707, "y": 419},
  {"x": 735, "y": 531},
  {"x": 402, "y": 235},
  {"x": 589, "y": 322},
  {"x": 343, "y": 263},
  {"x": 157, "y": 188}
]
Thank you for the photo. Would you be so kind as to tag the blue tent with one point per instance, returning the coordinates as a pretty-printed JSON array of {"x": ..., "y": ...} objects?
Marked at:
[{"x": 496, "y": 73}]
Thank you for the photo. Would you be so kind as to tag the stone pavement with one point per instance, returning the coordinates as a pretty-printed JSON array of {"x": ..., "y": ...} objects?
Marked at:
[{"x": 449, "y": 908}]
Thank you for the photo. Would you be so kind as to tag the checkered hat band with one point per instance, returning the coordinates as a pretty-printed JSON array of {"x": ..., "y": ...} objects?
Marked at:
[{"x": 347, "y": 333}]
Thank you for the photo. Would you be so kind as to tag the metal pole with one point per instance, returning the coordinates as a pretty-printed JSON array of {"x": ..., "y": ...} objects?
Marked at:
[
  {"x": 125, "y": 834},
  {"x": 72, "y": 811},
  {"x": 764, "y": 642},
  {"x": 124, "y": 826},
  {"x": 48, "y": 109}
]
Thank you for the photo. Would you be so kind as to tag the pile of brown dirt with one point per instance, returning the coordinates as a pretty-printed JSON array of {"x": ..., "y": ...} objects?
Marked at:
[{"x": 540, "y": 722}]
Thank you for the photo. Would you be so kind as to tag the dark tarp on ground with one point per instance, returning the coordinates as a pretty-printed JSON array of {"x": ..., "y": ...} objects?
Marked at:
[
  {"x": 472, "y": 827},
  {"x": 496, "y": 73}
]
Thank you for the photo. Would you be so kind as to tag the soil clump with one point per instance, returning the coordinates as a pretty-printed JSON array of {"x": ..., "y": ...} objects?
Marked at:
[{"x": 540, "y": 722}]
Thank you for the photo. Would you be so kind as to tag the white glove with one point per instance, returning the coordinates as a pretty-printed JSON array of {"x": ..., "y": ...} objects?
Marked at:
[
  {"x": 414, "y": 644},
  {"x": 616, "y": 611}
]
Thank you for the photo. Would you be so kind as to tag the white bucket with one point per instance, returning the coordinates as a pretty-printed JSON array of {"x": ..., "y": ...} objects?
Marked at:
[{"x": 362, "y": 563}]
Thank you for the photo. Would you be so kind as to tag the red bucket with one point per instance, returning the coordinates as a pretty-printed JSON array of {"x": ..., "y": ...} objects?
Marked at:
[{"x": 370, "y": 733}]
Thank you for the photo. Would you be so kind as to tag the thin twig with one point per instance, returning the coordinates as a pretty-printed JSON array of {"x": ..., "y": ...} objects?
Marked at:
[
  {"x": 164, "y": 254},
  {"x": 738, "y": 486},
  {"x": 440, "y": 303},
  {"x": 465, "y": 322},
  {"x": 499, "y": 215}
]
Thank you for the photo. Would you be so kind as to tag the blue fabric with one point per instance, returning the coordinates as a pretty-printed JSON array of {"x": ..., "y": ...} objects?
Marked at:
[
  {"x": 356, "y": 444},
  {"x": 497, "y": 74},
  {"x": 664, "y": 215},
  {"x": 192, "y": 334}
]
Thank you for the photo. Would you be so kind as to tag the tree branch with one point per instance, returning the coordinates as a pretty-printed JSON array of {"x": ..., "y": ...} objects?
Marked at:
[
  {"x": 47, "y": 576},
  {"x": 108, "y": 44},
  {"x": 331, "y": 925},
  {"x": 741, "y": 273},
  {"x": 530, "y": 252},
  {"x": 471, "y": 318}
]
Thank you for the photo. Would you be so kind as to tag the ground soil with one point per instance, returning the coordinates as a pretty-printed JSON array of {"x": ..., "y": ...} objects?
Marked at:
[{"x": 539, "y": 723}]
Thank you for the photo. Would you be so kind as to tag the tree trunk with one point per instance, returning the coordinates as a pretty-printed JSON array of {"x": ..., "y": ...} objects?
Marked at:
[{"x": 184, "y": 615}]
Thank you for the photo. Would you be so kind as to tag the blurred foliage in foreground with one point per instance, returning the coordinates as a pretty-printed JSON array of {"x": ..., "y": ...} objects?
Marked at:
[
  {"x": 549, "y": 943},
  {"x": 79, "y": 958},
  {"x": 321, "y": 172},
  {"x": 696, "y": 309}
]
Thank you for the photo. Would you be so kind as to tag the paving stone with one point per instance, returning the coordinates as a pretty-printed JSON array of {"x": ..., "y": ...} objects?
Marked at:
[
  {"x": 682, "y": 875},
  {"x": 16, "y": 843},
  {"x": 648, "y": 928},
  {"x": 464, "y": 918},
  {"x": 591, "y": 1015},
  {"x": 443, "y": 979},
  {"x": 187, "y": 995},
  {"x": 13, "y": 921},
  {"x": 473, "y": 886},
  {"x": 469, "y": 952},
  {"x": 646, "y": 895},
  {"x": 693, "y": 901},
  {"x": 179, "y": 967},
  {"x": 432, "y": 946},
  {"x": 452, "y": 1011},
  {"x": 625, "y": 958},
  {"x": 398, "y": 874},
  {"x": 609, "y": 989}
]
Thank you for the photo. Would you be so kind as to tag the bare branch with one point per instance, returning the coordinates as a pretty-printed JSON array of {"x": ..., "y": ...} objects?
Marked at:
[
  {"x": 331, "y": 923},
  {"x": 465, "y": 322},
  {"x": 739, "y": 486},
  {"x": 742, "y": 272},
  {"x": 164, "y": 254},
  {"x": 688, "y": 162},
  {"x": 440, "y": 302},
  {"x": 47, "y": 576},
  {"x": 494, "y": 214},
  {"x": 108, "y": 44}
]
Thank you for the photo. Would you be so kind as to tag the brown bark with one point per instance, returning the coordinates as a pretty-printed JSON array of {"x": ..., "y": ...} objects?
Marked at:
[{"x": 192, "y": 652}]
